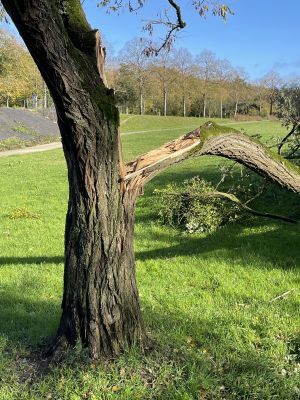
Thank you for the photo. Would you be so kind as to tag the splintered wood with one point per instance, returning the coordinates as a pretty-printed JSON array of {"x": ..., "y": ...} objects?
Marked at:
[
  {"x": 210, "y": 139},
  {"x": 146, "y": 166}
]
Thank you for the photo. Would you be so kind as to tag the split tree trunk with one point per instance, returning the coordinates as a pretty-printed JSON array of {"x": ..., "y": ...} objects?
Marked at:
[{"x": 100, "y": 305}]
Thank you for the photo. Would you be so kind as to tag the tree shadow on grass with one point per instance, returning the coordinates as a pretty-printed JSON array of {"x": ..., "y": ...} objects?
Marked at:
[
  {"x": 186, "y": 357},
  {"x": 27, "y": 321},
  {"x": 213, "y": 348},
  {"x": 31, "y": 260},
  {"x": 273, "y": 244}
]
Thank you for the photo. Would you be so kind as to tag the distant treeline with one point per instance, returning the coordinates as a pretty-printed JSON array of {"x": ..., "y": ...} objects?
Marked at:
[{"x": 172, "y": 83}]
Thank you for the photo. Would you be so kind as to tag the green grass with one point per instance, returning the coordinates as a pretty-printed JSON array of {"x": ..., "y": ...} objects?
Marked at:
[{"x": 205, "y": 299}]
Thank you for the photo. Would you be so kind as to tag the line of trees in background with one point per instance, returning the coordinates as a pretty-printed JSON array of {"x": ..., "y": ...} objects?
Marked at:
[
  {"x": 178, "y": 83},
  {"x": 173, "y": 83}
]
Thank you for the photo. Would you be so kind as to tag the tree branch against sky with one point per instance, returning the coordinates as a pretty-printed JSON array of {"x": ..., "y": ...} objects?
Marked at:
[{"x": 171, "y": 17}]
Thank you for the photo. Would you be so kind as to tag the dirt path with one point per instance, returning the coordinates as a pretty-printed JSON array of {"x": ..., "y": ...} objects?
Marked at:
[
  {"x": 57, "y": 145},
  {"x": 33, "y": 149}
]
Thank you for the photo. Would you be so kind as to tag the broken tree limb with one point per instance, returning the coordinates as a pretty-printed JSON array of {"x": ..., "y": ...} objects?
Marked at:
[
  {"x": 283, "y": 295},
  {"x": 212, "y": 139},
  {"x": 231, "y": 197},
  {"x": 148, "y": 165}
]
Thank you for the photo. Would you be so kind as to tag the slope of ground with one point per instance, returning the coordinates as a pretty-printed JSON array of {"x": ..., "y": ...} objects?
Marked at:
[{"x": 20, "y": 128}]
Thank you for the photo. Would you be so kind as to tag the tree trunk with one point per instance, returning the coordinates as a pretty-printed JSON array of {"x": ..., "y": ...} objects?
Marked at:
[
  {"x": 184, "y": 106},
  {"x": 204, "y": 105},
  {"x": 141, "y": 102},
  {"x": 236, "y": 106},
  {"x": 100, "y": 305},
  {"x": 271, "y": 106},
  {"x": 260, "y": 108},
  {"x": 44, "y": 95},
  {"x": 165, "y": 102},
  {"x": 221, "y": 108}
]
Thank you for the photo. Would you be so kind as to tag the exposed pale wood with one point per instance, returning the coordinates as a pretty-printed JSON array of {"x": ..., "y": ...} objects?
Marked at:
[
  {"x": 148, "y": 165},
  {"x": 211, "y": 139}
]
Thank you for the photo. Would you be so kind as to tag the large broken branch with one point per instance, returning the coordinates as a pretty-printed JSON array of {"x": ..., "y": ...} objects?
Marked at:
[
  {"x": 148, "y": 165},
  {"x": 212, "y": 139}
]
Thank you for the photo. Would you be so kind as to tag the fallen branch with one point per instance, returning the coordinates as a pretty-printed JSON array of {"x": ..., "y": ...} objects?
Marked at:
[
  {"x": 285, "y": 139},
  {"x": 250, "y": 210},
  {"x": 283, "y": 295}
]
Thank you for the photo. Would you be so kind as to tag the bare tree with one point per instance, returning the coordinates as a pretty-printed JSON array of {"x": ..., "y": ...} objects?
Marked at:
[
  {"x": 237, "y": 85},
  {"x": 272, "y": 81},
  {"x": 162, "y": 69},
  {"x": 224, "y": 73},
  {"x": 184, "y": 65},
  {"x": 207, "y": 70},
  {"x": 133, "y": 56}
]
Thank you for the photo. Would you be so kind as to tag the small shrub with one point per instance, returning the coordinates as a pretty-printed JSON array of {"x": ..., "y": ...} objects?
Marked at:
[
  {"x": 22, "y": 213},
  {"x": 187, "y": 207}
]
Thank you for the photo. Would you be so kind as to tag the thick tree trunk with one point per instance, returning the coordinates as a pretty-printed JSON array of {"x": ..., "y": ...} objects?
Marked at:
[{"x": 100, "y": 303}]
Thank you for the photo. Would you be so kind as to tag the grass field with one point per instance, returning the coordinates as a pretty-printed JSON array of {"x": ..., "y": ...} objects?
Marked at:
[{"x": 206, "y": 300}]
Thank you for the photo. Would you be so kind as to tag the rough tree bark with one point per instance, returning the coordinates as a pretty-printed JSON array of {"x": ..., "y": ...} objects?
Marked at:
[
  {"x": 100, "y": 306},
  {"x": 100, "y": 302}
]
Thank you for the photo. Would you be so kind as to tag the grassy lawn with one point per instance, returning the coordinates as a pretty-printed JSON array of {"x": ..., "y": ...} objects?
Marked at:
[{"x": 206, "y": 299}]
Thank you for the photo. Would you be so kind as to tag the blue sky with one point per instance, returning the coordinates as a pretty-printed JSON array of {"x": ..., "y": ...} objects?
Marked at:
[{"x": 261, "y": 36}]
